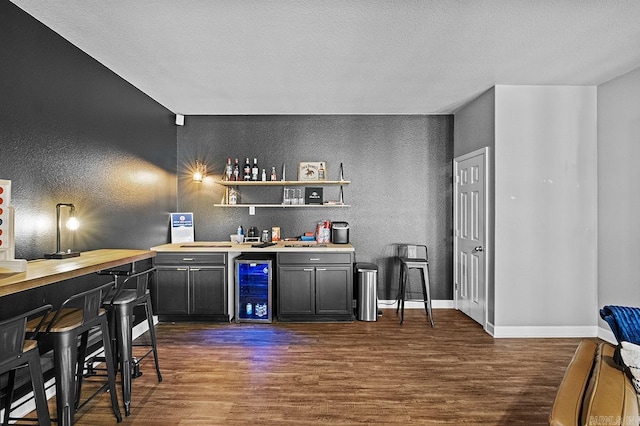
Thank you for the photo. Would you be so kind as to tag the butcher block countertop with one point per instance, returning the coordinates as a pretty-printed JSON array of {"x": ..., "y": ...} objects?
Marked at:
[
  {"x": 41, "y": 272},
  {"x": 281, "y": 246}
]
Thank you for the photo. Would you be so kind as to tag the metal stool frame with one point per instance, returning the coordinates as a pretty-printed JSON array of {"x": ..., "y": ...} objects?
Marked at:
[
  {"x": 414, "y": 256},
  {"x": 61, "y": 329},
  {"x": 130, "y": 293},
  {"x": 19, "y": 349}
]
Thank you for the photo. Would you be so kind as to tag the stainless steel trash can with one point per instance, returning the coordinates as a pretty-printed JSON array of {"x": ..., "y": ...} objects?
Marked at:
[{"x": 367, "y": 291}]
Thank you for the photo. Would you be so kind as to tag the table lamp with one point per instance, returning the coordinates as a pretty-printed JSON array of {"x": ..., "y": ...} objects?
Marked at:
[{"x": 72, "y": 224}]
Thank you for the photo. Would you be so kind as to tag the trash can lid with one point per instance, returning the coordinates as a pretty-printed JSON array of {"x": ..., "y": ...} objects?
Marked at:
[{"x": 366, "y": 267}]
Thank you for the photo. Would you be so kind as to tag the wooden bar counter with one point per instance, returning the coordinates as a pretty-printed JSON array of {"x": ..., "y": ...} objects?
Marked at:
[{"x": 42, "y": 272}]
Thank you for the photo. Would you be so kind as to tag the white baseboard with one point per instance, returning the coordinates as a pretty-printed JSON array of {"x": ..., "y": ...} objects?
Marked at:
[
  {"x": 543, "y": 331},
  {"x": 607, "y": 335},
  {"x": 435, "y": 304},
  {"x": 551, "y": 332}
]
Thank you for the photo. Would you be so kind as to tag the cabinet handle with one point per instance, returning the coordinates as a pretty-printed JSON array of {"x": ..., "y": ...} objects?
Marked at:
[
  {"x": 321, "y": 269},
  {"x": 187, "y": 259},
  {"x": 195, "y": 269},
  {"x": 181, "y": 269},
  {"x": 308, "y": 269},
  {"x": 314, "y": 258}
]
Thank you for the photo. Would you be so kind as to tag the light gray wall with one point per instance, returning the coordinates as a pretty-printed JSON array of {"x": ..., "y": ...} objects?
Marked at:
[
  {"x": 618, "y": 201},
  {"x": 543, "y": 201},
  {"x": 474, "y": 128},
  {"x": 546, "y": 208}
]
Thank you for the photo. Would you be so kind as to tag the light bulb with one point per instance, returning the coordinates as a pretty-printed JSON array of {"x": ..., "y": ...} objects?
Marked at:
[{"x": 73, "y": 224}]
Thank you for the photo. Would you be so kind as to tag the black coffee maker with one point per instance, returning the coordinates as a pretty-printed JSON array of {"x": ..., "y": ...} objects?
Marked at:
[{"x": 253, "y": 232}]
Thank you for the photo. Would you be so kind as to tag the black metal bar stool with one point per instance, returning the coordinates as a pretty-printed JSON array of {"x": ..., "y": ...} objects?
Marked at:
[
  {"x": 17, "y": 350},
  {"x": 130, "y": 293},
  {"x": 61, "y": 330},
  {"x": 414, "y": 257}
]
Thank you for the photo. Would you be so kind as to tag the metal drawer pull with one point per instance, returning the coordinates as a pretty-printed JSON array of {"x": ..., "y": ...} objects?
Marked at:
[
  {"x": 314, "y": 258},
  {"x": 321, "y": 269},
  {"x": 182, "y": 269},
  {"x": 195, "y": 269},
  {"x": 308, "y": 269},
  {"x": 188, "y": 258}
]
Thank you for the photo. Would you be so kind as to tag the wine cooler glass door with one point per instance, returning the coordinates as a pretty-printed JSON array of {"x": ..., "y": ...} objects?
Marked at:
[{"x": 253, "y": 290}]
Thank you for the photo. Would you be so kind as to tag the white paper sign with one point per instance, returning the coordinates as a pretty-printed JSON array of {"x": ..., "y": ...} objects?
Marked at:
[{"x": 182, "y": 227}]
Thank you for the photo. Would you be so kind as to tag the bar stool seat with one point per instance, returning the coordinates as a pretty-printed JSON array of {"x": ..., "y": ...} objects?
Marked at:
[
  {"x": 16, "y": 351},
  {"x": 61, "y": 330},
  {"x": 129, "y": 294},
  {"x": 413, "y": 256}
]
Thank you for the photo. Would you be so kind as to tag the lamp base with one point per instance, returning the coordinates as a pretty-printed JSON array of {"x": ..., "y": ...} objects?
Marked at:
[{"x": 62, "y": 255}]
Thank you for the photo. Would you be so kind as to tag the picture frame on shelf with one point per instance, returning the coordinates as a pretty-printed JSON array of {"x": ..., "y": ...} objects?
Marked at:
[{"x": 312, "y": 170}]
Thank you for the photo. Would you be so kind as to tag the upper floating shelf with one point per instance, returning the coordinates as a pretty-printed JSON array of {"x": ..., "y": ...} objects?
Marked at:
[{"x": 282, "y": 182}]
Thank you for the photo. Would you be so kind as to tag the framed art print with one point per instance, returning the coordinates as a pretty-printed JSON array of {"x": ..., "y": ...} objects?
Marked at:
[{"x": 312, "y": 171}]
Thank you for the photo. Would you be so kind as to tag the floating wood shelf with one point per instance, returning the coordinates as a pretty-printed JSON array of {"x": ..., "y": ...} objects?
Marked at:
[
  {"x": 282, "y": 182},
  {"x": 285, "y": 206}
]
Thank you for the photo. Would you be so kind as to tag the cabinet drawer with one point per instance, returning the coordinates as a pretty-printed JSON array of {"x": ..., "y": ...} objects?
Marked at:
[
  {"x": 182, "y": 258},
  {"x": 310, "y": 258}
]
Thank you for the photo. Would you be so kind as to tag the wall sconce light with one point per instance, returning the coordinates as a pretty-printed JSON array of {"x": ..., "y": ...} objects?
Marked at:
[
  {"x": 72, "y": 224},
  {"x": 200, "y": 172}
]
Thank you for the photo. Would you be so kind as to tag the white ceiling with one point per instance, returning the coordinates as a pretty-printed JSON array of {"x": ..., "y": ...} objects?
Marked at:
[{"x": 346, "y": 56}]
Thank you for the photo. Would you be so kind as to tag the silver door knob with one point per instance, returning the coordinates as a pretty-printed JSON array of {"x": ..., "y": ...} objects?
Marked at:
[{"x": 478, "y": 248}]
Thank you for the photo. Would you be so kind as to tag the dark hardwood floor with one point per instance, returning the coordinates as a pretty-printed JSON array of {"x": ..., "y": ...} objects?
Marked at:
[{"x": 344, "y": 373}]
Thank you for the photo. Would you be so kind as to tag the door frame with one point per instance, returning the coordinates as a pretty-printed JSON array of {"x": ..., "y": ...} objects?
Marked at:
[{"x": 488, "y": 250}]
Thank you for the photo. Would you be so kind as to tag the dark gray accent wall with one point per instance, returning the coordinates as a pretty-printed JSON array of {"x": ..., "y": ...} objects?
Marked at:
[
  {"x": 400, "y": 168},
  {"x": 73, "y": 131}
]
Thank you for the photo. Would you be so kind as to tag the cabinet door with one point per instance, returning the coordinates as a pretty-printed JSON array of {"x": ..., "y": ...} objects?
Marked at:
[
  {"x": 208, "y": 290},
  {"x": 171, "y": 290},
  {"x": 295, "y": 290},
  {"x": 334, "y": 289}
]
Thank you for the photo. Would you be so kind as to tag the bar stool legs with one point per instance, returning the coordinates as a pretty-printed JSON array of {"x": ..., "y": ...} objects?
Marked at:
[
  {"x": 128, "y": 366},
  {"x": 414, "y": 257},
  {"x": 124, "y": 315},
  {"x": 17, "y": 350},
  {"x": 65, "y": 353},
  {"x": 152, "y": 334},
  {"x": 37, "y": 381},
  {"x": 32, "y": 358}
]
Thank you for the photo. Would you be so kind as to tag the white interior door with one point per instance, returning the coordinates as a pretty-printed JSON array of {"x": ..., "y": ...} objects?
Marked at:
[{"x": 470, "y": 229}]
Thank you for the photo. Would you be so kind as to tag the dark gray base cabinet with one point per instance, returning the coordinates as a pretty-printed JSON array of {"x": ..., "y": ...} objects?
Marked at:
[
  {"x": 190, "y": 286},
  {"x": 315, "y": 287}
]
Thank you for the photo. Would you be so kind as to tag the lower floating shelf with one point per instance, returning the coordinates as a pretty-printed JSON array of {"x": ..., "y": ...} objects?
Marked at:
[{"x": 284, "y": 206}]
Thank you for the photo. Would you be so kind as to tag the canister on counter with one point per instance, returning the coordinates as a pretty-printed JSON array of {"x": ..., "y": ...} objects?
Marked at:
[{"x": 323, "y": 232}]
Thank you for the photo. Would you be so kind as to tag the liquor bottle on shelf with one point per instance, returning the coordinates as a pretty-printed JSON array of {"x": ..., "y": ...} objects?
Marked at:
[
  {"x": 247, "y": 170},
  {"x": 321, "y": 172},
  {"x": 264, "y": 175},
  {"x": 228, "y": 169},
  {"x": 273, "y": 174},
  {"x": 236, "y": 171},
  {"x": 255, "y": 170}
]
